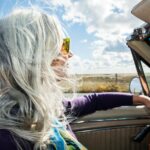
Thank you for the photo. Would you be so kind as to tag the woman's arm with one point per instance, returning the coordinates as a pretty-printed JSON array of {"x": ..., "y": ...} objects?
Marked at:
[
  {"x": 101, "y": 101},
  {"x": 141, "y": 100}
]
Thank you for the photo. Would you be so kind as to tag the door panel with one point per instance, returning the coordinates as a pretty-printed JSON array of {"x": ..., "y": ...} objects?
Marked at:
[
  {"x": 112, "y": 133},
  {"x": 119, "y": 138}
]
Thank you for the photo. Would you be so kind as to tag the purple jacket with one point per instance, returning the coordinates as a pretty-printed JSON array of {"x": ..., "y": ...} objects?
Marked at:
[
  {"x": 98, "y": 101},
  {"x": 76, "y": 107}
]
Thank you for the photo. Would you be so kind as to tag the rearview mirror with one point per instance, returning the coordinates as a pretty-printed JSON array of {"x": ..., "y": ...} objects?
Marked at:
[{"x": 135, "y": 86}]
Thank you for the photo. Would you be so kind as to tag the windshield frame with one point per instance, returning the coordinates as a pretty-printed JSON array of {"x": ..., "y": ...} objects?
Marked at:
[{"x": 138, "y": 64}]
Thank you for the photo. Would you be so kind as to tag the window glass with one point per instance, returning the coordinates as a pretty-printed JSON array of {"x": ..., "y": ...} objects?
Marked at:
[{"x": 147, "y": 73}]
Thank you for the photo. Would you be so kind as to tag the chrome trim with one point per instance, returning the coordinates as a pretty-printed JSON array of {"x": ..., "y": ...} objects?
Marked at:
[
  {"x": 107, "y": 128},
  {"x": 110, "y": 119}
]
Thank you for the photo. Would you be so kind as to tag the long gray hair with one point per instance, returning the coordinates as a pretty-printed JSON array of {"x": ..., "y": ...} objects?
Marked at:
[{"x": 30, "y": 98}]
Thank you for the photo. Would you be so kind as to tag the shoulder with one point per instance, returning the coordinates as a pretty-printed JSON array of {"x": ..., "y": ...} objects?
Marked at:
[{"x": 7, "y": 141}]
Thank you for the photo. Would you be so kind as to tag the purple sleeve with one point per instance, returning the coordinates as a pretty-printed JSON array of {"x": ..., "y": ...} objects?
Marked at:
[
  {"x": 98, "y": 101},
  {"x": 7, "y": 141}
]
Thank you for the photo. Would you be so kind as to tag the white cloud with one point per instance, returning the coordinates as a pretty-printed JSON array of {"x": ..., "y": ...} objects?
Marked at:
[
  {"x": 110, "y": 22},
  {"x": 104, "y": 63},
  {"x": 65, "y": 3},
  {"x": 84, "y": 41}
]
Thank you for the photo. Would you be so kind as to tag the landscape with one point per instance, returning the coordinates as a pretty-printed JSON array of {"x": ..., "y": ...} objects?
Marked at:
[{"x": 85, "y": 83}]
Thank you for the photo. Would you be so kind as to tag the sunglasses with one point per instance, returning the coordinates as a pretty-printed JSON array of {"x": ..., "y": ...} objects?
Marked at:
[{"x": 65, "y": 46}]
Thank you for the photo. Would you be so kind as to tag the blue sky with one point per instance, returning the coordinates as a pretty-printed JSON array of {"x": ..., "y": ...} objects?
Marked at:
[{"x": 98, "y": 31}]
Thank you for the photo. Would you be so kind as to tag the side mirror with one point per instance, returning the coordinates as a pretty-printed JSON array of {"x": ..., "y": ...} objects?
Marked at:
[{"x": 135, "y": 86}]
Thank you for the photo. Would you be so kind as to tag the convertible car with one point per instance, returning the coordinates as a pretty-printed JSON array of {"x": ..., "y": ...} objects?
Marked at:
[{"x": 123, "y": 128}]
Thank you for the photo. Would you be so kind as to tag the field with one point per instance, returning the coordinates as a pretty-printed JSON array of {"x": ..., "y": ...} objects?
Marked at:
[{"x": 100, "y": 83}]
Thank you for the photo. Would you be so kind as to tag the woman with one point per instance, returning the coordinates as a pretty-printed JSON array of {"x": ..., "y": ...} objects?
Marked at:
[
  {"x": 31, "y": 102},
  {"x": 87, "y": 104}
]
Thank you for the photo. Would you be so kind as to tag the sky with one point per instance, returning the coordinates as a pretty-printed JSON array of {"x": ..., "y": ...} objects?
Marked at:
[{"x": 98, "y": 30}]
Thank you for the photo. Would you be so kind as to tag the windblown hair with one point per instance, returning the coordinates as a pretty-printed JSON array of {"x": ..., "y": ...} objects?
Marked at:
[{"x": 30, "y": 98}]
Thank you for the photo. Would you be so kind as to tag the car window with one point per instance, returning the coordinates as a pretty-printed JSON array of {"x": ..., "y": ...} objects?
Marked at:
[{"x": 147, "y": 73}]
